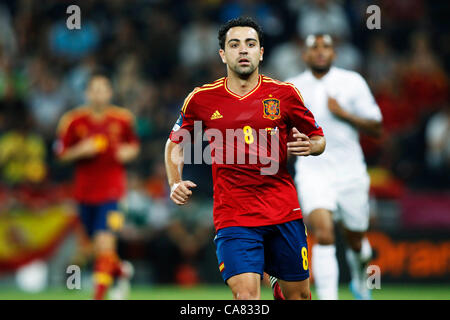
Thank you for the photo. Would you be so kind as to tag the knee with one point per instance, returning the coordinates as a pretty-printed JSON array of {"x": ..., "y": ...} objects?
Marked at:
[
  {"x": 355, "y": 245},
  {"x": 354, "y": 240},
  {"x": 245, "y": 286},
  {"x": 104, "y": 242},
  {"x": 246, "y": 294},
  {"x": 325, "y": 236},
  {"x": 305, "y": 295},
  {"x": 300, "y": 295},
  {"x": 322, "y": 226}
]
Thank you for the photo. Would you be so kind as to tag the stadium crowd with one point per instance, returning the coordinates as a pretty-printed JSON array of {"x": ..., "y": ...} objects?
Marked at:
[{"x": 156, "y": 51}]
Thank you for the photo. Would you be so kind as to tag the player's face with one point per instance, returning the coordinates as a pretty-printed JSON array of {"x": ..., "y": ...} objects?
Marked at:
[
  {"x": 320, "y": 55},
  {"x": 242, "y": 52},
  {"x": 99, "y": 91}
]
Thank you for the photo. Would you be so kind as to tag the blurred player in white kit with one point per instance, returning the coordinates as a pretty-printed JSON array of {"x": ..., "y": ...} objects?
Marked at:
[{"x": 336, "y": 184}]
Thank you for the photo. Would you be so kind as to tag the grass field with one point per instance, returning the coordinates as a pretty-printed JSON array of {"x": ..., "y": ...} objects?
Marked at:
[{"x": 221, "y": 292}]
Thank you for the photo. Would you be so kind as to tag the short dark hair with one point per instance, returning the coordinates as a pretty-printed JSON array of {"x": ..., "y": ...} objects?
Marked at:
[
  {"x": 239, "y": 22},
  {"x": 97, "y": 73}
]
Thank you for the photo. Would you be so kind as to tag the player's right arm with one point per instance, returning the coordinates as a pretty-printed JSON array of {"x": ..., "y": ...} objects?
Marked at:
[
  {"x": 86, "y": 148},
  {"x": 69, "y": 147},
  {"x": 179, "y": 189},
  {"x": 372, "y": 127},
  {"x": 366, "y": 115},
  {"x": 174, "y": 155}
]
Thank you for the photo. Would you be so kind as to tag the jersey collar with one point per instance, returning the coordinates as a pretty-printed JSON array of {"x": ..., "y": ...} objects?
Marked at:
[{"x": 244, "y": 96}]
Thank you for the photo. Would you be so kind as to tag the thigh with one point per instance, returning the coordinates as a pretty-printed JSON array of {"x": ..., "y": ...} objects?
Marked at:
[
  {"x": 108, "y": 218},
  {"x": 239, "y": 250},
  {"x": 286, "y": 252}
]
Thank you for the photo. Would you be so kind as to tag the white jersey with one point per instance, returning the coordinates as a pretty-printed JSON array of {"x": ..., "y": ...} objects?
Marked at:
[{"x": 343, "y": 151}]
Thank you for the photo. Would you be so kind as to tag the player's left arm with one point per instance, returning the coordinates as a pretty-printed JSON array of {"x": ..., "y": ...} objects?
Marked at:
[
  {"x": 129, "y": 148},
  {"x": 304, "y": 145},
  {"x": 308, "y": 138},
  {"x": 127, "y": 152},
  {"x": 366, "y": 116}
]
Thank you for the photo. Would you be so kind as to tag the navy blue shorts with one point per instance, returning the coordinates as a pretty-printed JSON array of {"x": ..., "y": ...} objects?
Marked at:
[
  {"x": 281, "y": 250},
  {"x": 100, "y": 217}
]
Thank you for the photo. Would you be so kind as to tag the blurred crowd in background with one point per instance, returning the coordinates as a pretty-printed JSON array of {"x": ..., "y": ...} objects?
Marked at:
[{"x": 157, "y": 51}]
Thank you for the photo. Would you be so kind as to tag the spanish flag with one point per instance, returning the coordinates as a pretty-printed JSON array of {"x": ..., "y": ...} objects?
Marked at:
[
  {"x": 221, "y": 267},
  {"x": 26, "y": 235}
]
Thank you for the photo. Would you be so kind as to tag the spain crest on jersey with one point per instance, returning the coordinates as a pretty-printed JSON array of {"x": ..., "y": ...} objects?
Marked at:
[{"x": 271, "y": 109}]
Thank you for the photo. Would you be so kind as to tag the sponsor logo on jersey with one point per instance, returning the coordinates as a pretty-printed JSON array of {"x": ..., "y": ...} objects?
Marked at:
[{"x": 216, "y": 115}]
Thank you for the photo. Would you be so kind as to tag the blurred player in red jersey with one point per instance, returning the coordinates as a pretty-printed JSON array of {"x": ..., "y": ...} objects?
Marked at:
[
  {"x": 100, "y": 139},
  {"x": 257, "y": 216}
]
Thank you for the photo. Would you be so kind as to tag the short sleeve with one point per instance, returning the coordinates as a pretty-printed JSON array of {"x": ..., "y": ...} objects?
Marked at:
[
  {"x": 129, "y": 134},
  {"x": 184, "y": 126},
  {"x": 364, "y": 104},
  {"x": 301, "y": 117},
  {"x": 66, "y": 136}
]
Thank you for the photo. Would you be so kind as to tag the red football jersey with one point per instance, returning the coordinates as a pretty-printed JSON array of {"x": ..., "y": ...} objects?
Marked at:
[
  {"x": 249, "y": 192},
  {"x": 100, "y": 178}
]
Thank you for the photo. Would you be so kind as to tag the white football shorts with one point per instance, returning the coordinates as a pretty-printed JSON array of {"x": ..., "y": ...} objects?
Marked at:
[{"x": 347, "y": 200}]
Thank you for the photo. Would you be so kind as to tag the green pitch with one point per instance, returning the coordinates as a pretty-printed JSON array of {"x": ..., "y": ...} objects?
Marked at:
[{"x": 221, "y": 292}]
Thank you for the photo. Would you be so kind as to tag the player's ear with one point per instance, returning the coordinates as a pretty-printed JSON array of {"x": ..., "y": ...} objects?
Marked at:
[
  {"x": 222, "y": 56},
  {"x": 262, "y": 54}
]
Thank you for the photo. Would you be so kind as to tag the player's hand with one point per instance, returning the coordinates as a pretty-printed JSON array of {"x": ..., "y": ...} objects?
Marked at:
[
  {"x": 127, "y": 152},
  {"x": 180, "y": 191},
  {"x": 87, "y": 148},
  {"x": 336, "y": 109},
  {"x": 301, "y": 146}
]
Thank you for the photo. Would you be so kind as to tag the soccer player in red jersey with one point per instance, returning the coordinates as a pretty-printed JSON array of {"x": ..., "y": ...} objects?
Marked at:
[
  {"x": 100, "y": 139},
  {"x": 248, "y": 119}
]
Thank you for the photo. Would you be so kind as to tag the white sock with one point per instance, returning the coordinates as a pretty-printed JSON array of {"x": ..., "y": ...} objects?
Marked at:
[
  {"x": 326, "y": 271},
  {"x": 366, "y": 251},
  {"x": 357, "y": 262},
  {"x": 121, "y": 290}
]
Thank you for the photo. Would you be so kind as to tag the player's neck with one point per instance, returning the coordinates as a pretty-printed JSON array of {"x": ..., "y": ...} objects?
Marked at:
[
  {"x": 319, "y": 73},
  {"x": 242, "y": 86},
  {"x": 98, "y": 109}
]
